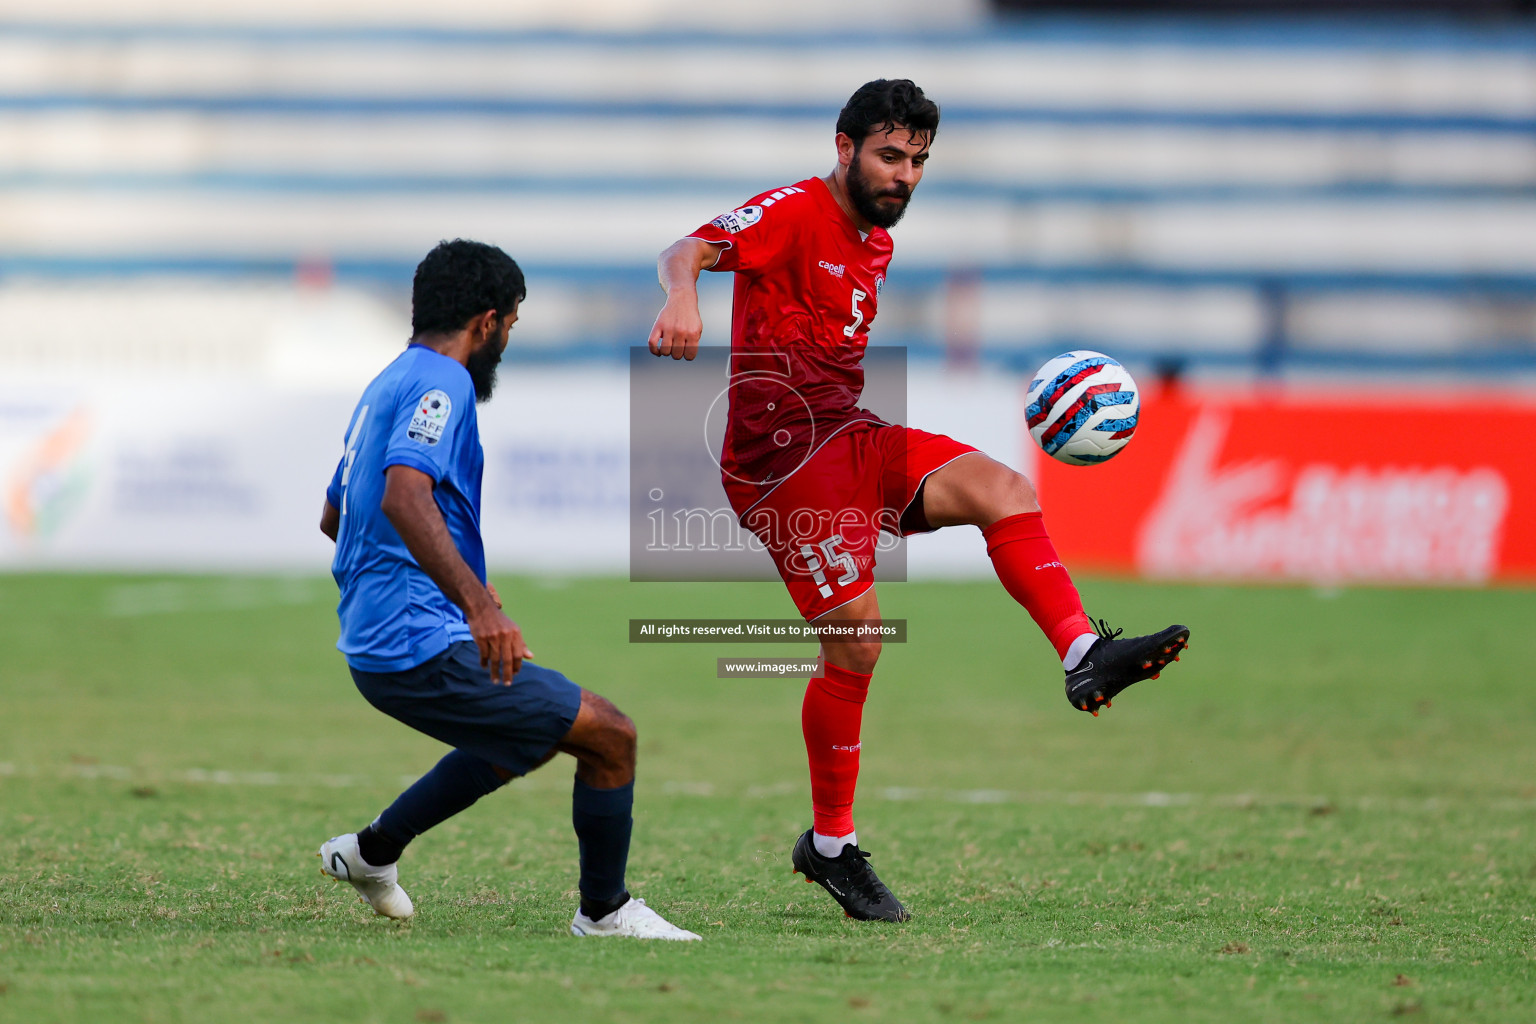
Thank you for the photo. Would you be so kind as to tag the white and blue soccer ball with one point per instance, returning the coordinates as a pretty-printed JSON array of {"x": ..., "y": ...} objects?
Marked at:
[{"x": 1082, "y": 408}]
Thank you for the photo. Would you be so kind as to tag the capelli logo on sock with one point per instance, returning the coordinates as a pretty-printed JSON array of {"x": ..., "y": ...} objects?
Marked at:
[
  {"x": 852, "y": 750},
  {"x": 1050, "y": 565}
]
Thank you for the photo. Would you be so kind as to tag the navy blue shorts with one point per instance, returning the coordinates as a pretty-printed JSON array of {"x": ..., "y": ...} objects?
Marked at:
[{"x": 452, "y": 699}]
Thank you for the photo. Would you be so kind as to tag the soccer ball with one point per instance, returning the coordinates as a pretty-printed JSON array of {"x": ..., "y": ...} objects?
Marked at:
[{"x": 1082, "y": 408}]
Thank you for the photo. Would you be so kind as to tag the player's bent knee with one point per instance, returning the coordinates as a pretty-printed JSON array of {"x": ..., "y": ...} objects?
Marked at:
[
  {"x": 859, "y": 657},
  {"x": 1005, "y": 493},
  {"x": 615, "y": 738},
  {"x": 623, "y": 739},
  {"x": 1021, "y": 494},
  {"x": 602, "y": 737}
]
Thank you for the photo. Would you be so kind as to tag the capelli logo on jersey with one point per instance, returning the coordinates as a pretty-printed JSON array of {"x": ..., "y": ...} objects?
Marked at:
[
  {"x": 1050, "y": 565},
  {"x": 852, "y": 750},
  {"x": 835, "y": 269}
]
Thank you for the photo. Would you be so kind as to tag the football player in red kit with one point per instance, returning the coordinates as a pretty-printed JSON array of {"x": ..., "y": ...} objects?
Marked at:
[{"x": 818, "y": 479}]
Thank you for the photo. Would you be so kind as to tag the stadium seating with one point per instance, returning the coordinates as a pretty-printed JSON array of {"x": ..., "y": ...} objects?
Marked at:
[{"x": 1237, "y": 200}]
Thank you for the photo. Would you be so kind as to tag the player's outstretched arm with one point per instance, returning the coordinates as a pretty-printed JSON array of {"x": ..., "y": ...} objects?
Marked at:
[
  {"x": 678, "y": 326},
  {"x": 413, "y": 512}
]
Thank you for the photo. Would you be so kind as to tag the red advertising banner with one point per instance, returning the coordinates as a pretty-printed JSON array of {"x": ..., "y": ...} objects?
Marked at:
[{"x": 1321, "y": 488}]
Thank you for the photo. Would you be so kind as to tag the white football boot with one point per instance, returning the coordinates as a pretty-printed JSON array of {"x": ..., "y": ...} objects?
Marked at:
[
  {"x": 633, "y": 920},
  {"x": 377, "y": 887}
]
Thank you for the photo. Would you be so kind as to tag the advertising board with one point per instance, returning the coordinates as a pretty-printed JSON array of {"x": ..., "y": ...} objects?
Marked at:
[{"x": 1321, "y": 488}]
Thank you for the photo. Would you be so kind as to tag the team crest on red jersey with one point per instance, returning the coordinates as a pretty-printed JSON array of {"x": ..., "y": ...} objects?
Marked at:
[{"x": 738, "y": 220}]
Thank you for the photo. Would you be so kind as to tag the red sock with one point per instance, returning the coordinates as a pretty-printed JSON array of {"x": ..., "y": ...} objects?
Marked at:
[
  {"x": 1026, "y": 563},
  {"x": 830, "y": 718}
]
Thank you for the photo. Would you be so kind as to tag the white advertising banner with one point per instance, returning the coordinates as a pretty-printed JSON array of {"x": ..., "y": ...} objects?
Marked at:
[
  {"x": 212, "y": 473},
  {"x": 164, "y": 473}
]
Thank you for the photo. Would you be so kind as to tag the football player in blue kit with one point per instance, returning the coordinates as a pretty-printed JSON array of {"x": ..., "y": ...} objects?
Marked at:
[{"x": 423, "y": 631}]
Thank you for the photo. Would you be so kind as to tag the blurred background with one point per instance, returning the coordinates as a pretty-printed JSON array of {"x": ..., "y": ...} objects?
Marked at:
[{"x": 1312, "y": 240}]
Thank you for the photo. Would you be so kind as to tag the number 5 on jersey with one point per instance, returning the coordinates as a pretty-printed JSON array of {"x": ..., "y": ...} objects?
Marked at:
[{"x": 858, "y": 314}]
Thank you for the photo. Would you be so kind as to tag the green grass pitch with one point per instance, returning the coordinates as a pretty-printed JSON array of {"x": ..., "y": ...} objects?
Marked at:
[{"x": 1325, "y": 812}]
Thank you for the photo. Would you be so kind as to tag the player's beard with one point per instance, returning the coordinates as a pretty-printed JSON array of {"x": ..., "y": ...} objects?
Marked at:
[
  {"x": 865, "y": 197},
  {"x": 482, "y": 365}
]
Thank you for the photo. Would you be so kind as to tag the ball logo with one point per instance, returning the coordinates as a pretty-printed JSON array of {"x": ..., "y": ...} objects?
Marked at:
[
  {"x": 738, "y": 220},
  {"x": 430, "y": 418},
  {"x": 1082, "y": 408}
]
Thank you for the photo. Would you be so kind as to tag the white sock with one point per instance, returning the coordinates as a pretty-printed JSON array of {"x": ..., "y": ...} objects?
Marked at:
[
  {"x": 1079, "y": 648},
  {"x": 831, "y": 846}
]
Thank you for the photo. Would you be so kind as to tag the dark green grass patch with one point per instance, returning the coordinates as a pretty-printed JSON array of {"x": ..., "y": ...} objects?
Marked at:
[{"x": 1326, "y": 812}]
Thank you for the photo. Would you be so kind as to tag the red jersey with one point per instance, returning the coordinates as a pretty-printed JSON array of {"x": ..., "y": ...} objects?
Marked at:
[{"x": 807, "y": 288}]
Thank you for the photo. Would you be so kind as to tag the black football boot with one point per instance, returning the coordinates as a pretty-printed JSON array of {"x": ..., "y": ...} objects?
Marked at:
[
  {"x": 1112, "y": 664},
  {"x": 850, "y": 880}
]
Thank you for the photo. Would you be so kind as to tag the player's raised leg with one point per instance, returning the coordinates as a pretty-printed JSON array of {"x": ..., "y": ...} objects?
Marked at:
[
  {"x": 832, "y": 719},
  {"x": 981, "y": 491}
]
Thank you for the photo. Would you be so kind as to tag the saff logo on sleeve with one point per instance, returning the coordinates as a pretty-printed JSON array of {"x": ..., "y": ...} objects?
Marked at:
[
  {"x": 430, "y": 418},
  {"x": 738, "y": 220}
]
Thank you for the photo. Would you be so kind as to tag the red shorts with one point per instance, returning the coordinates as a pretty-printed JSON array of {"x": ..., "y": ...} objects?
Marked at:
[{"x": 823, "y": 524}]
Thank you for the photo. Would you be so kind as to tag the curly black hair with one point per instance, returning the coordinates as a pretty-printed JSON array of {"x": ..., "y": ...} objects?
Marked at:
[
  {"x": 885, "y": 104},
  {"x": 459, "y": 280}
]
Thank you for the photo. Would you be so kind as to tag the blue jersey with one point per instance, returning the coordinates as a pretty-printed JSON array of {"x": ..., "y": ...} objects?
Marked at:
[{"x": 419, "y": 412}]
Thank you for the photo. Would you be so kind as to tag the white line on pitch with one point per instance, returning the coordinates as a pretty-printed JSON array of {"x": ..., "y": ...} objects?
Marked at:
[{"x": 927, "y": 794}]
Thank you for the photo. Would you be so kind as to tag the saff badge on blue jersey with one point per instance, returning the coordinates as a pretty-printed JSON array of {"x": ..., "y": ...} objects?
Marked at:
[{"x": 430, "y": 418}]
